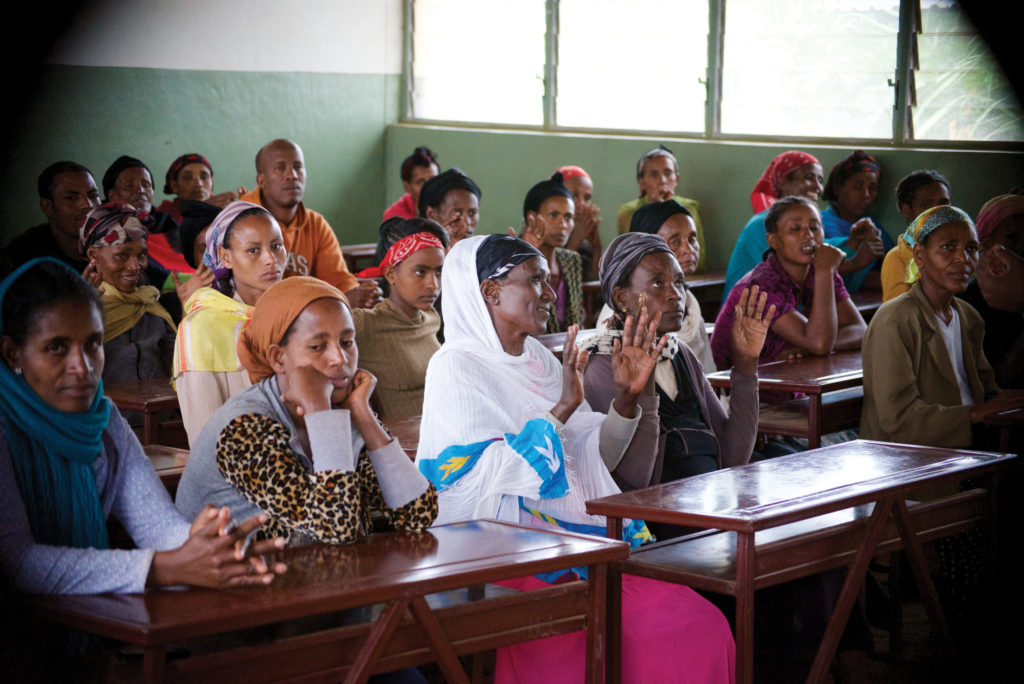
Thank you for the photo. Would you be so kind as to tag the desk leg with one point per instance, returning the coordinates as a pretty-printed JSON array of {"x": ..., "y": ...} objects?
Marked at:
[
  {"x": 814, "y": 421},
  {"x": 153, "y": 661},
  {"x": 375, "y": 642},
  {"x": 446, "y": 657},
  {"x": 851, "y": 588},
  {"x": 745, "y": 564},
  {"x": 613, "y": 643},
  {"x": 148, "y": 427},
  {"x": 912, "y": 547},
  {"x": 596, "y": 622}
]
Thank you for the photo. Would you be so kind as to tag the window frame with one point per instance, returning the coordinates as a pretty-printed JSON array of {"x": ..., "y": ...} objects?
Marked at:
[{"x": 902, "y": 83}]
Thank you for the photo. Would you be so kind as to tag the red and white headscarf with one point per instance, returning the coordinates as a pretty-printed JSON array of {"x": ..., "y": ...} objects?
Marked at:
[
  {"x": 767, "y": 189},
  {"x": 573, "y": 172},
  {"x": 402, "y": 250}
]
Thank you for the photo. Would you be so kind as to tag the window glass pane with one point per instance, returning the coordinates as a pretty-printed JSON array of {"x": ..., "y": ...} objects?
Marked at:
[
  {"x": 961, "y": 93},
  {"x": 632, "y": 64},
  {"x": 479, "y": 60},
  {"x": 809, "y": 67}
]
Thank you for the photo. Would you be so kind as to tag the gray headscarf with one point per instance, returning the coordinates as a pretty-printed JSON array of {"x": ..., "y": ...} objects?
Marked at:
[{"x": 622, "y": 256}]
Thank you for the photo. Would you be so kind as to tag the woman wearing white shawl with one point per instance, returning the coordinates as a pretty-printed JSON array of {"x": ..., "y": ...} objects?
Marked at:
[{"x": 506, "y": 434}]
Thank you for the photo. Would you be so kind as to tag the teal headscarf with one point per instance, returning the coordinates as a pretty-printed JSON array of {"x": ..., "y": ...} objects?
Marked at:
[{"x": 52, "y": 453}]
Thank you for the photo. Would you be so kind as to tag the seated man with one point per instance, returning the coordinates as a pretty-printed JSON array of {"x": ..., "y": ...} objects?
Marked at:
[
  {"x": 313, "y": 248},
  {"x": 67, "y": 193}
]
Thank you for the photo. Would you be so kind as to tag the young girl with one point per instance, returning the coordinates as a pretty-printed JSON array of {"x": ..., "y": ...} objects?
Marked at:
[
  {"x": 417, "y": 169},
  {"x": 926, "y": 379},
  {"x": 399, "y": 335},
  {"x": 245, "y": 250},
  {"x": 813, "y": 311}
]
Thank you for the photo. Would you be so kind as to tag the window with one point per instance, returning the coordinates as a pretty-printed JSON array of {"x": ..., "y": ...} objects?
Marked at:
[{"x": 712, "y": 68}]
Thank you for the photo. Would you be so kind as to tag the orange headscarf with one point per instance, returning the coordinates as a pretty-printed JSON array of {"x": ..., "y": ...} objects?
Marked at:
[{"x": 275, "y": 311}]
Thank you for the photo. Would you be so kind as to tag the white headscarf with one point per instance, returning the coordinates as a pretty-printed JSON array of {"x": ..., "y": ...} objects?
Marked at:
[{"x": 487, "y": 411}]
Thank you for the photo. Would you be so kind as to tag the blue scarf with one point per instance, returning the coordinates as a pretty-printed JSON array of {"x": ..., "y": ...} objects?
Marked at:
[{"x": 52, "y": 452}]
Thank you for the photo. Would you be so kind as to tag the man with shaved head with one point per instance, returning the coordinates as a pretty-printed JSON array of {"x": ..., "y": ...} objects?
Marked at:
[{"x": 312, "y": 246}]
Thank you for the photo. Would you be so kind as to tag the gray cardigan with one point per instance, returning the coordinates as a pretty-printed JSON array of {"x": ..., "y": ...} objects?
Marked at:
[{"x": 735, "y": 431}]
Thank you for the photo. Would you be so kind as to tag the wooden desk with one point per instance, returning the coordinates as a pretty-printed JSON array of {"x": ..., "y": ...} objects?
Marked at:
[
  {"x": 358, "y": 257},
  {"x": 407, "y": 432},
  {"x": 148, "y": 396},
  {"x": 749, "y": 501},
  {"x": 814, "y": 376},
  {"x": 169, "y": 464},
  {"x": 1010, "y": 424},
  {"x": 396, "y": 569},
  {"x": 867, "y": 302},
  {"x": 556, "y": 341}
]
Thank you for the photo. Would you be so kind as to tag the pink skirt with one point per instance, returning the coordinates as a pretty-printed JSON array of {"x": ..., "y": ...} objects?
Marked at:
[{"x": 669, "y": 634}]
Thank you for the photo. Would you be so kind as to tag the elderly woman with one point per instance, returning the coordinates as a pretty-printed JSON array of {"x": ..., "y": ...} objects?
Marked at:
[
  {"x": 926, "y": 379},
  {"x": 790, "y": 173},
  {"x": 547, "y": 223},
  {"x": 506, "y": 434},
  {"x": 451, "y": 199},
  {"x": 852, "y": 189},
  {"x": 673, "y": 222},
  {"x": 68, "y": 462},
  {"x": 138, "y": 339},
  {"x": 302, "y": 444},
  {"x": 245, "y": 251},
  {"x": 417, "y": 169},
  {"x": 399, "y": 335},
  {"x": 657, "y": 175},
  {"x": 639, "y": 273}
]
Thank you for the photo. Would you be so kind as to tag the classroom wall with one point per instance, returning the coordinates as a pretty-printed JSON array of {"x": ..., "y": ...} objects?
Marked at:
[
  {"x": 720, "y": 175},
  {"x": 156, "y": 79}
]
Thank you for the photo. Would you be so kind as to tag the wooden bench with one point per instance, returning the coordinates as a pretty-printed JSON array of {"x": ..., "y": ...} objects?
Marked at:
[
  {"x": 358, "y": 257},
  {"x": 840, "y": 410}
]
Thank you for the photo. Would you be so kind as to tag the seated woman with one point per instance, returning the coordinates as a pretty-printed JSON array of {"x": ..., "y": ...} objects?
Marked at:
[
  {"x": 917, "y": 191},
  {"x": 138, "y": 339},
  {"x": 852, "y": 189},
  {"x": 585, "y": 237},
  {"x": 417, "y": 169},
  {"x": 640, "y": 274},
  {"x": 548, "y": 220},
  {"x": 190, "y": 177},
  {"x": 302, "y": 443},
  {"x": 657, "y": 175},
  {"x": 506, "y": 434},
  {"x": 68, "y": 462},
  {"x": 790, "y": 173},
  {"x": 399, "y": 335},
  {"x": 245, "y": 251},
  {"x": 451, "y": 199},
  {"x": 813, "y": 311},
  {"x": 926, "y": 379},
  {"x": 998, "y": 292},
  {"x": 673, "y": 223}
]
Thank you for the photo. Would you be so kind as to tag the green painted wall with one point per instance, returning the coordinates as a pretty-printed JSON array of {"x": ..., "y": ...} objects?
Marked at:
[
  {"x": 93, "y": 115},
  {"x": 720, "y": 175}
]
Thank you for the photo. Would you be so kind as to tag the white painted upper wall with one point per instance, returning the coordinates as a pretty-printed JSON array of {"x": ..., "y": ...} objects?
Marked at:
[{"x": 328, "y": 36}]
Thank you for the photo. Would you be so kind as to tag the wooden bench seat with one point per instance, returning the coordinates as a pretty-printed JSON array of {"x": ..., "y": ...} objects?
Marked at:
[
  {"x": 840, "y": 410},
  {"x": 707, "y": 560}
]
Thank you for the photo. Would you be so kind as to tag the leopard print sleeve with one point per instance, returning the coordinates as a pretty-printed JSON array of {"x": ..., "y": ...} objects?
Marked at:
[
  {"x": 253, "y": 454},
  {"x": 415, "y": 516}
]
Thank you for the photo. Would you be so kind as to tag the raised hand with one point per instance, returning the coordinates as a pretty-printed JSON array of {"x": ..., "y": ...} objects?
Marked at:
[
  {"x": 750, "y": 325},
  {"x": 636, "y": 353},
  {"x": 203, "y": 277},
  {"x": 365, "y": 295},
  {"x": 93, "y": 277},
  {"x": 585, "y": 225},
  {"x": 574, "y": 362}
]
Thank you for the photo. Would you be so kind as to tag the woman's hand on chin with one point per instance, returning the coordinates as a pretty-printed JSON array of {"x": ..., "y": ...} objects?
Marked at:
[
  {"x": 574, "y": 362},
  {"x": 309, "y": 391},
  {"x": 216, "y": 555}
]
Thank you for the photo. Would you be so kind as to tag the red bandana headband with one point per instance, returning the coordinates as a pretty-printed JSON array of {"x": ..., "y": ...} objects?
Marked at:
[{"x": 402, "y": 250}]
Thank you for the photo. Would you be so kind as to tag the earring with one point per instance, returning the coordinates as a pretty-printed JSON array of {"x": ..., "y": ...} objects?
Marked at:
[{"x": 17, "y": 371}]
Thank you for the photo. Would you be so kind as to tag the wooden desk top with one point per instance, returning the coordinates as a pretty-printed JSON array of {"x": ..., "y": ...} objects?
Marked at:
[
  {"x": 782, "y": 490},
  {"x": 143, "y": 395},
  {"x": 323, "y": 579},
  {"x": 407, "y": 432},
  {"x": 809, "y": 375}
]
